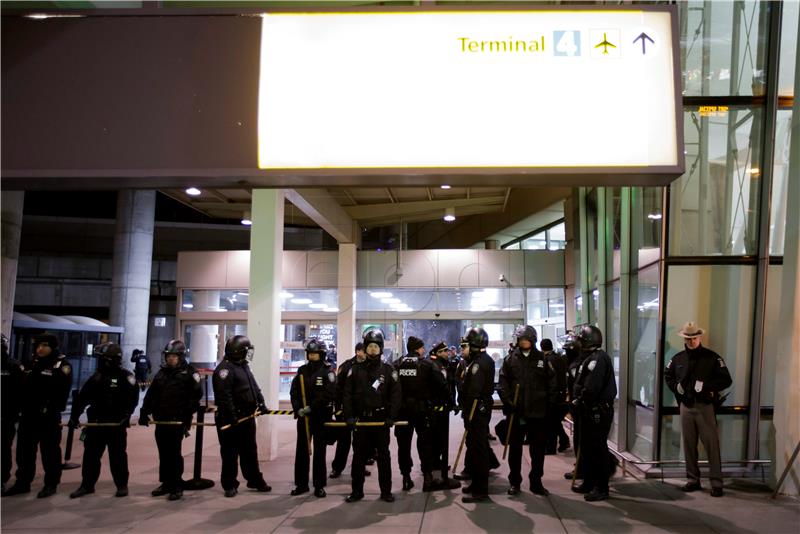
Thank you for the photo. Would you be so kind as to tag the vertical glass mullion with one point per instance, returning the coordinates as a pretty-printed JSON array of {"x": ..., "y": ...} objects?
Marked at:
[
  {"x": 624, "y": 319},
  {"x": 764, "y": 213}
]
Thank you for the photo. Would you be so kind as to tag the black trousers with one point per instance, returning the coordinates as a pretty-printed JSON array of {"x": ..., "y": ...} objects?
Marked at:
[
  {"x": 8, "y": 429},
  {"x": 595, "y": 425},
  {"x": 421, "y": 424},
  {"x": 237, "y": 445},
  {"x": 97, "y": 439},
  {"x": 39, "y": 432},
  {"x": 478, "y": 452},
  {"x": 535, "y": 428},
  {"x": 441, "y": 442},
  {"x": 320, "y": 447},
  {"x": 170, "y": 458},
  {"x": 555, "y": 432},
  {"x": 343, "y": 442},
  {"x": 367, "y": 440}
]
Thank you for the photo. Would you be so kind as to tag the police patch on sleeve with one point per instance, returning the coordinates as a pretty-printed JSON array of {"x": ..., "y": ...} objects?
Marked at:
[
  {"x": 592, "y": 364},
  {"x": 196, "y": 377},
  {"x": 66, "y": 369},
  {"x": 349, "y": 372},
  {"x": 331, "y": 377},
  {"x": 131, "y": 380},
  {"x": 395, "y": 376},
  {"x": 223, "y": 374},
  {"x": 721, "y": 363},
  {"x": 574, "y": 372},
  {"x": 475, "y": 368}
]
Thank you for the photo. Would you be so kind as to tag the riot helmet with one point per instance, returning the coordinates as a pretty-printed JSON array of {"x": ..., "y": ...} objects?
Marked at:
[
  {"x": 237, "y": 348},
  {"x": 108, "y": 355},
  {"x": 528, "y": 332},
  {"x": 315, "y": 346},
  {"x": 477, "y": 338},
  {"x": 175, "y": 347},
  {"x": 373, "y": 336},
  {"x": 590, "y": 338}
]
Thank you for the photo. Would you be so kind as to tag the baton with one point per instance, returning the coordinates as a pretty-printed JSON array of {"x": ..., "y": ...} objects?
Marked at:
[
  {"x": 94, "y": 424},
  {"x": 511, "y": 421},
  {"x": 464, "y": 437},
  {"x": 575, "y": 469},
  {"x": 365, "y": 423},
  {"x": 305, "y": 417}
]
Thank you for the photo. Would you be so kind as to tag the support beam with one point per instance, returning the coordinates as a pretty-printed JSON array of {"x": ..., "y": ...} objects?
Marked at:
[{"x": 324, "y": 210}]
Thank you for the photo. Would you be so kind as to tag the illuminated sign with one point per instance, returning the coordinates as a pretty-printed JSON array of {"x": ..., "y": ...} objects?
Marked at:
[{"x": 442, "y": 92}]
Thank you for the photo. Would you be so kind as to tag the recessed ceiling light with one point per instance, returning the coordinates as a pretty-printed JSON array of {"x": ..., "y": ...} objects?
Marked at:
[
  {"x": 193, "y": 191},
  {"x": 450, "y": 214},
  {"x": 445, "y": 186},
  {"x": 302, "y": 301},
  {"x": 246, "y": 220}
]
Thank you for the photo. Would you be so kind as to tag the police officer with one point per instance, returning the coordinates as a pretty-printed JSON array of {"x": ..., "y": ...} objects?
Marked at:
[
  {"x": 172, "y": 399},
  {"x": 239, "y": 401},
  {"x": 345, "y": 435},
  {"x": 319, "y": 385},
  {"x": 44, "y": 397},
  {"x": 594, "y": 393},
  {"x": 141, "y": 367},
  {"x": 477, "y": 393},
  {"x": 11, "y": 390},
  {"x": 696, "y": 375},
  {"x": 111, "y": 395},
  {"x": 372, "y": 393},
  {"x": 445, "y": 402},
  {"x": 556, "y": 432},
  {"x": 420, "y": 383},
  {"x": 574, "y": 356},
  {"x": 528, "y": 389}
]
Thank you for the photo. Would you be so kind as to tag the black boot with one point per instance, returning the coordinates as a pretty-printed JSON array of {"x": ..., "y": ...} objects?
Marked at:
[
  {"x": 407, "y": 482},
  {"x": 429, "y": 484}
]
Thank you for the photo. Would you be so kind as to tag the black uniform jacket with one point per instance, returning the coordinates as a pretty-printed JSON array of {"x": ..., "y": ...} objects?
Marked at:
[
  {"x": 320, "y": 385},
  {"x": 174, "y": 394},
  {"x": 47, "y": 386},
  {"x": 538, "y": 384},
  {"x": 236, "y": 392},
  {"x": 422, "y": 384},
  {"x": 111, "y": 395},
  {"x": 478, "y": 384},
  {"x": 595, "y": 384},
  {"x": 690, "y": 366},
  {"x": 372, "y": 391}
]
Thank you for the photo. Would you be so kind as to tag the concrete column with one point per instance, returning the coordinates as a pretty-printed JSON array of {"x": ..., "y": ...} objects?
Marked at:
[
  {"x": 264, "y": 314},
  {"x": 346, "y": 318},
  {"x": 786, "y": 417},
  {"x": 133, "y": 260},
  {"x": 11, "y": 228}
]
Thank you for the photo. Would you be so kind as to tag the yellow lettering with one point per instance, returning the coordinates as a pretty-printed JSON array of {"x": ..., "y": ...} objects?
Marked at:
[
  {"x": 473, "y": 46},
  {"x": 463, "y": 43}
]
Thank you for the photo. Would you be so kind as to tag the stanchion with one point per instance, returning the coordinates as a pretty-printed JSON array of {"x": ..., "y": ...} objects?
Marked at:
[
  {"x": 198, "y": 482},
  {"x": 365, "y": 423}
]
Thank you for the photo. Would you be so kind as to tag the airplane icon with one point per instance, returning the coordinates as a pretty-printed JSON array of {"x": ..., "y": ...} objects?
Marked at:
[{"x": 605, "y": 44}]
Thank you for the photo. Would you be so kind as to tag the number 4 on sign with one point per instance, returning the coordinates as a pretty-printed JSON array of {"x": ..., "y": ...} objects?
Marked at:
[{"x": 568, "y": 42}]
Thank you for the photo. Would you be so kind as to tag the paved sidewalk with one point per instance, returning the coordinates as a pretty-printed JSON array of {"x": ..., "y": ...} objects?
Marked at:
[{"x": 635, "y": 506}]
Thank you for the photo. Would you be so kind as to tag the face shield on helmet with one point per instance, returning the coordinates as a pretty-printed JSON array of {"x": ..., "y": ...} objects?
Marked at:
[
  {"x": 373, "y": 343},
  {"x": 238, "y": 348},
  {"x": 315, "y": 349},
  {"x": 590, "y": 338},
  {"x": 526, "y": 333},
  {"x": 477, "y": 339},
  {"x": 175, "y": 348},
  {"x": 109, "y": 355}
]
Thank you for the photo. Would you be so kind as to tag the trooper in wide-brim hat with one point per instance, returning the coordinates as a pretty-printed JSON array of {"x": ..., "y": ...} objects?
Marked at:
[{"x": 691, "y": 330}]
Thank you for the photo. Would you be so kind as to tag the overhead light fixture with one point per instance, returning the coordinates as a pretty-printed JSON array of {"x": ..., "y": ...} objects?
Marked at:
[
  {"x": 381, "y": 294},
  {"x": 193, "y": 191},
  {"x": 302, "y": 301},
  {"x": 450, "y": 214},
  {"x": 318, "y": 306},
  {"x": 654, "y": 216},
  {"x": 44, "y": 16},
  {"x": 445, "y": 186},
  {"x": 246, "y": 220}
]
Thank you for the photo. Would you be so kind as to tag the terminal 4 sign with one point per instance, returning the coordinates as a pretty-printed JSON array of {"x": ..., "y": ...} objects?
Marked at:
[{"x": 572, "y": 96}]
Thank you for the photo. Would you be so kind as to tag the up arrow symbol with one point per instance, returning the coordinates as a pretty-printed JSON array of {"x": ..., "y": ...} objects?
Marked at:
[{"x": 643, "y": 36}]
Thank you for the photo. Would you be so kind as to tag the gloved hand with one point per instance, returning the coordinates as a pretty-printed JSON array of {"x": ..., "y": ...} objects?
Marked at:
[
  {"x": 680, "y": 389},
  {"x": 389, "y": 423},
  {"x": 126, "y": 423},
  {"x": 144, "y": 420},
  {"x": 262, "y": 408},
  {"x": 351, "y": 422},
  {"x": 304, "y": 411},
  {"x": 508, "y": 409},
  {"x": 73, "y": 423}
]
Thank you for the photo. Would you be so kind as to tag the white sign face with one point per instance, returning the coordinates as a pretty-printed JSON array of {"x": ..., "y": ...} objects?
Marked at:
[{"x": 452, "y": 90}]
